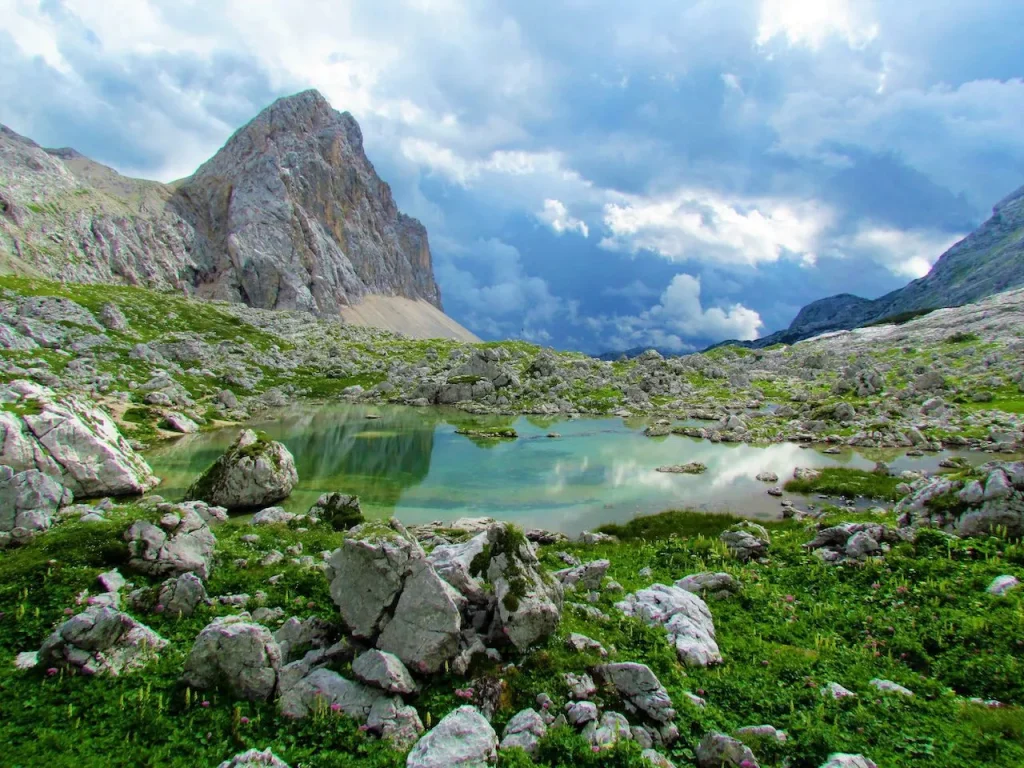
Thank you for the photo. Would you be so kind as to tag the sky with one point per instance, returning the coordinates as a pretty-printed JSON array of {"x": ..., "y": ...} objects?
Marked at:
[{"x": 593, "y": 175}]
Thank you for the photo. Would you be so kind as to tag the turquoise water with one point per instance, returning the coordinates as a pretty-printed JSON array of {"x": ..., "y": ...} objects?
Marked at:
[{"x": 411, "y": 464}]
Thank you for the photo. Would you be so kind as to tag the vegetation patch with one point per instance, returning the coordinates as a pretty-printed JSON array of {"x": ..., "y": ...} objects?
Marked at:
[{"x": 850, "y": 483}]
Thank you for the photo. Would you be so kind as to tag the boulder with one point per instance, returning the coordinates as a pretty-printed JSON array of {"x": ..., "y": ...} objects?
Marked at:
[
  {"x": 657, "y": 759},
  {"x": 101, "y": 640},
  {"x": 254, "y": 758},
  {"x": 524, "y": 730},
  {"x": 272, "y": 516},
  {"x": 181, "y": 596},
  {"x": 297, "y": 636},
  {"x": 611, "y": 728},
  {"x": 888, "y": 686},
  {"x": 463, "y": 739},
  {"x": 338, "y": 510},
  {"x": 323, "y": 690},
  {"x": 29, "y": 500},
  {"x": 383, "y": 670},
  {"x": 746, "y": 540},
  {"x": 180, "y": 423},
  {"x": 70, "y": 440},
  {"x": 254, "y": 472},
  {"x": 1002, "y": 584},
  {"x": 717, "y": 750},
  {"x": 425, "y": 628},
  {"x": 685, "y": 617},
  {"x": 588, "y": 575},
  {"x": 367, "y": 573},
  {"x": 234, "y": 652},
  {"x": 529, "y": 601},
  {"x": 840, "y": 760},
  {"x": 719, "y": 585},
  {"x": 454, "y": 564},
  {"x": 392, "y": 719},
  {"x": 389, "y": 594},
  {"x": 179, "y": 544},
  {"x": 640, "y": 689}
]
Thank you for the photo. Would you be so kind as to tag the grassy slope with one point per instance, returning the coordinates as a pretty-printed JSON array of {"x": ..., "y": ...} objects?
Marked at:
[{"x": 920, "y": 617}]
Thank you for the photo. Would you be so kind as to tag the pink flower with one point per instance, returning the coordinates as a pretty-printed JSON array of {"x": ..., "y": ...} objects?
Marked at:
[
  {"x": 158, "y": 608},
  {"x": 764, "y": 663},
  {"x": 51, "y": 672},
  {"x": 68, "y": 611},
  {"x": 902, "y": 590},
  {"x": 876, "y": 585},
  {"x": 204, "y": 703},
  {"x": 790, "y": 599},
  {"x": 311, "y": 604},
  {"x": 546, "y": 705},
  {"x": 244, "y": 720},
  {"x": 335, "y": 707},
  {"x": 595, "y": 749},
  {"x": 747, "y": 764},
  {"x": 700, "y": 691}
]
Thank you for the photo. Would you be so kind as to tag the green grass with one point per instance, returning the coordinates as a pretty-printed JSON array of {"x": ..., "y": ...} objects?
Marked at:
[
  {"x": 842, "y": 481},
  {"x": 920, "y": 617}
]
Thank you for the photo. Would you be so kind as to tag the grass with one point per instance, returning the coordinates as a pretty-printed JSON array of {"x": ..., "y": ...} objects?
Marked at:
[
  {"x": 850, "y": 483},
  {"x": 920, "y": 617}
]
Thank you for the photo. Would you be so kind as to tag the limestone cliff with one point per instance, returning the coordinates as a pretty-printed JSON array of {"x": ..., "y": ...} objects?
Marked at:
[{"x": 289, "y": 214}]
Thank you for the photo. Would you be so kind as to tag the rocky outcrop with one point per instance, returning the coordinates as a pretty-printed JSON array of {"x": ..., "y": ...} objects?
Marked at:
[
  {"x": 529, "y": 600},
  {"x": 991, "y": 499},
  {"x": 640, "y": 689},
  {"x": 463, "y": 739},
  {"x": 289, "y": 214},
  {"x": 181, "y": 596},
  {"x": 70, "y": 440},
  {"x": 746, "y": 540},
  {"x": 101, "y": 640},
  {"x": 254, "y": 472},
  {"x": 179, "y": 543},
  {"x": 338, "y": 510}
]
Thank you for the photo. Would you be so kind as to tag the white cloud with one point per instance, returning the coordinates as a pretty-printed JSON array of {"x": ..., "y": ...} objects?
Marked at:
[
  {"x": 679, "y": 315},
  {"x": 810, "y": 23},
  {"x": 636, "y": 291},
  {"x": 705, "y": 225},
  {"x": 556, "y": 216},
  {"x": 907, "y": 253}
]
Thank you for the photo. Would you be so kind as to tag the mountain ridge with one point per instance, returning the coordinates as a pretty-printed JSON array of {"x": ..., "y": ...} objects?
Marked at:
[
  {"x": 288, "y": 214},
  {"x": 988, "y": 261}
]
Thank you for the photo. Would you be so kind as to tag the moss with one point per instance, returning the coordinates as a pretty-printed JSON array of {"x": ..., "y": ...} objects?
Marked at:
[
  {"x": 670, "y": 523},
  {"x": 27, "y": 407},
  {"x": 478, "y": 565}
]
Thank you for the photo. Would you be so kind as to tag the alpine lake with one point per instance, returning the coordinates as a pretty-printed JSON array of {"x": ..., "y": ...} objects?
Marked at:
[{"x": 410, "y": 463}]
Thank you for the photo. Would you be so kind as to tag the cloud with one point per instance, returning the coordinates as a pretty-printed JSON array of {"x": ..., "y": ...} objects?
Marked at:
[
  {"x": 679, "y": 316},
  {"x": 556, "y": 216},
  {"x": 706, "y": 226},
  {"x": 635, "y": 291},
  {"x": 490, "y": 284},
  {"x": 907, "y": 253},
  {"x": 811, "y": 22}
]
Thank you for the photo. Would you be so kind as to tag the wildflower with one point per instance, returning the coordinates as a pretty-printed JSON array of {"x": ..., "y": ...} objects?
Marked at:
[
  {"x": 335, "y": 707},
  {"x": 790, "y": 599},
  {"x": 68, "y": 612},
  {"x": 158, "y": 608},
  {"x": 876, "y": 585},
  {"x": 764, "y": 663},
  {"x": 595, "y": 749},
  {"x": 747, "y": 764},
  {"x": 51, "y": 672},
  {"x": 311, "y": 604},
  {"x": 243, "y": 720},
  {"x": 700, "y": 691},
  {"x": 204, "y": 703},
  {"x": 902, "y": 590}
]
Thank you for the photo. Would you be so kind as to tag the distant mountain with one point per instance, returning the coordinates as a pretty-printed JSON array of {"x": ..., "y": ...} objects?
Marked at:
[
  {"x": 289, "y": 214},
  {"x": 988, "y": 261}
]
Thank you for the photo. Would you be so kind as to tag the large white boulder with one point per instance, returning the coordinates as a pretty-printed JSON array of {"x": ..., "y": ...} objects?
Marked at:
[
  {"x": 463, "y": 739},
  {"x": 254, "y": 472}
]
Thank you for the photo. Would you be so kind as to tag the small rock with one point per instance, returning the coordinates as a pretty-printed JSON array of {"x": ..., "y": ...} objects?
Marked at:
[{"x": 463, "y": 739}]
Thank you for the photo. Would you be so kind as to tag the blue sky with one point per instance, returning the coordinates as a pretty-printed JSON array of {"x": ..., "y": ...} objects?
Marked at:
[{"x": 593, "y": 175}]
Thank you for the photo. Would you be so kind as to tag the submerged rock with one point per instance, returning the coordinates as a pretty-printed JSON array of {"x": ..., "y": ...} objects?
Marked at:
[{"x": 254, "y": 472}]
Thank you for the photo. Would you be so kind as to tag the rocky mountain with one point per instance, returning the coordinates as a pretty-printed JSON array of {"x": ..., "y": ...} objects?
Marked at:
[
  {"x": 988, "y": 261},
  {"x": 289, "y": 214}
]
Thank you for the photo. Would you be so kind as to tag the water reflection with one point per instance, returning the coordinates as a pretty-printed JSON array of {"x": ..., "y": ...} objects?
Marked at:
[{"x": 409, "y": 462}]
